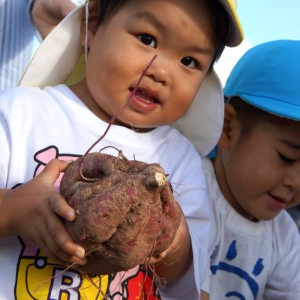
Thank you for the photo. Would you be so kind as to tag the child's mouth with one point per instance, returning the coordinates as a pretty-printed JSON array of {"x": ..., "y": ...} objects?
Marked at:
[
  {"x": 145, "y": 96},
  {"x": 142, "y": 100},
  {"x": 279, "y": 203}
]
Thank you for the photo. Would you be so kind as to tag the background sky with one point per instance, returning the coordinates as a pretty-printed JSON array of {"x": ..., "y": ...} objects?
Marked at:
[{"x": 262, "y": 21}]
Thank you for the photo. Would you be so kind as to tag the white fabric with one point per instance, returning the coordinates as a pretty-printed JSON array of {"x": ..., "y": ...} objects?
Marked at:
[
  {"x": 250, "y": 260},
  {"x": 39, "y": 124}
]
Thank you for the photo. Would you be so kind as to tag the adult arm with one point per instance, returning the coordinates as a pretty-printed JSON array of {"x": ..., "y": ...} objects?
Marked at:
[{"x": 46, "y": 14}]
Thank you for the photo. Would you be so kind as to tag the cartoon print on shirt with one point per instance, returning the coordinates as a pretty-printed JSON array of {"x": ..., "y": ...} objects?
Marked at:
[
  {"x": 225, "y": 266},
  {"x": 39, "y": 277}
]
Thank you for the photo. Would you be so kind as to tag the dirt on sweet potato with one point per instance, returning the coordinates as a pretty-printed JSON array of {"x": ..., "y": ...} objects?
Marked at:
[{"x": 125, "y": 209}]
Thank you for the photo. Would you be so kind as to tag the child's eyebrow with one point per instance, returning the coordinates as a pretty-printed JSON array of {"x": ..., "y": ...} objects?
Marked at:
[{"x": 148, "y": 16}]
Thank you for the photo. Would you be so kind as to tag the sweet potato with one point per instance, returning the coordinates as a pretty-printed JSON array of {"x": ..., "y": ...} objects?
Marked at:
[{"x": 126, "y": 211}]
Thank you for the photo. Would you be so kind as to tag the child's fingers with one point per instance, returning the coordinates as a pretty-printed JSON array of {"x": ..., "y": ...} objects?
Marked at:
[
  {"x": 60, "y": 243},
  {"x": 152, "y": 260},
  {"x": 52, "y": 170},
  {"x": 59, "y": 205},
  {"x": 57, "y": 165},
  {"x": 53, "y": 251}
]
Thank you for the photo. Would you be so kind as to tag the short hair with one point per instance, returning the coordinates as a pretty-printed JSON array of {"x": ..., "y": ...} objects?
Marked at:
[{"x": 250, "y": 116}]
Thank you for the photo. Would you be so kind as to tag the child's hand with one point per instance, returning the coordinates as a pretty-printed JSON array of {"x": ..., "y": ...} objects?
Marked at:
[
  {"x": 33, "y": 212},
  {"x": 175, "y": 260}
]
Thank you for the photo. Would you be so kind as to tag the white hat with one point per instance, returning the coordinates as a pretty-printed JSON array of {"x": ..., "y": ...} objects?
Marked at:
[{"x": 60, "y": 59}]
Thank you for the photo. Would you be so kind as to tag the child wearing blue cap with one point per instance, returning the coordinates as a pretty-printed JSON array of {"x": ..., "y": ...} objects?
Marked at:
[{"x": 255, "y": 176}]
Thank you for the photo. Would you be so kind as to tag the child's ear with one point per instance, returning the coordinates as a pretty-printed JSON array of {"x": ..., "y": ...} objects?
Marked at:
[
  {"x": 229, "y": 115},
  {"x": 89, "y": 27}
]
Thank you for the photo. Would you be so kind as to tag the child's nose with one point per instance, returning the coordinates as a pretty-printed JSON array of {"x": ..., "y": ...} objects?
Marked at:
[
  {"x": 159, "y": 70},
  {"x": 292, "y": 179}
]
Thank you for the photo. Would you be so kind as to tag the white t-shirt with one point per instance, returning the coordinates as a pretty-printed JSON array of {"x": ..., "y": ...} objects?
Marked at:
[
  {"x": 37, "y": 125},
  {"x": 250, "y": 260}
]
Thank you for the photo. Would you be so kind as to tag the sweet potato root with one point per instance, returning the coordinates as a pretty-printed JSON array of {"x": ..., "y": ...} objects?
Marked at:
[{"x": 125, "y": 211}]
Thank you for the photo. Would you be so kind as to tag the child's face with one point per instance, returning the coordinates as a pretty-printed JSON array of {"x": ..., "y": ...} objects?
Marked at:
[
  {"x": 178, "y": 32},
  {"x": 260, "y": 173}
]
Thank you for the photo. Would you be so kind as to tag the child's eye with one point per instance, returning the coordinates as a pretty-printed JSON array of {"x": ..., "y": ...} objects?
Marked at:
[
  {"x": 189, "y": 62},
  {"x": 148, "y": 40},
  {"x": 286, "y": 159}
]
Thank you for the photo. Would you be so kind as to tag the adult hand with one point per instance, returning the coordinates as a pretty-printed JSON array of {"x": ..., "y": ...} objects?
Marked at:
[{"x": 46, "y": 14}]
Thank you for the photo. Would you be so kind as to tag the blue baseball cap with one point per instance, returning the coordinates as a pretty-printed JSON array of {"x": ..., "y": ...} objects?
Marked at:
[{"x": 268, "y": 77}]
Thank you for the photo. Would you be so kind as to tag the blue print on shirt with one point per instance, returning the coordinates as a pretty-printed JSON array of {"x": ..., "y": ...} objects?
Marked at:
[{"x": 244, "y": 275}]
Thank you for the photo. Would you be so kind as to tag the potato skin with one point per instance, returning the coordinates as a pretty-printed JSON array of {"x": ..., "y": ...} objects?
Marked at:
[{"x": 125, "y": 209}]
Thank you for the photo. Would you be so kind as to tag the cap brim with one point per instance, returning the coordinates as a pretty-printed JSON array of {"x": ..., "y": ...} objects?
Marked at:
[
  {"x": 235, "y": 36},
  {"x": 57, "y": 61}
]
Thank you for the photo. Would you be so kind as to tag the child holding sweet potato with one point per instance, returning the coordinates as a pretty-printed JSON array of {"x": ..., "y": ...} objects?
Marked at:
[{"x": 56, "y": 120}]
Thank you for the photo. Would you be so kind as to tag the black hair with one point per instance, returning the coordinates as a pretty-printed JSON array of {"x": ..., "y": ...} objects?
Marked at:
[
  {"x": 107, "y": 8},
  {"x": 250, "y": 116},
  {"x": 218, "y": 17},
  {"x": 220, "y": 23}
]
